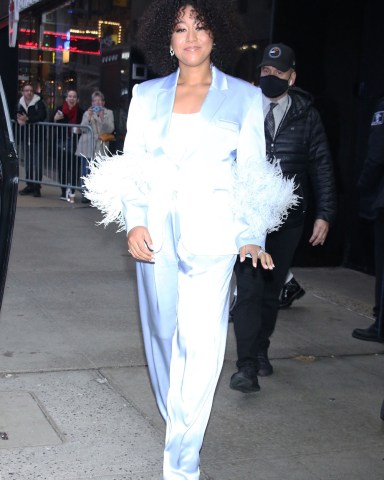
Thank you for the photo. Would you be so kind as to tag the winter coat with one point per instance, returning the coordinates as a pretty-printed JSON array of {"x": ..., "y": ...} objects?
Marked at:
[
  {"x": 89, "y": 146},
  {"x": 36, "y": 112},
  {"x": 301, "y": 146},
  {"x": 68, "y": 137}
]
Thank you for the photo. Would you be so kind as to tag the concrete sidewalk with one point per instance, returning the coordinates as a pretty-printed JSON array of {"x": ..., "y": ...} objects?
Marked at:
[{"x": 75, "y": 398}]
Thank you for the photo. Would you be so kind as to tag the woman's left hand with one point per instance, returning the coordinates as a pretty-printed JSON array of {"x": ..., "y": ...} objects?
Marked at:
[{"x": 257, "y": 253}]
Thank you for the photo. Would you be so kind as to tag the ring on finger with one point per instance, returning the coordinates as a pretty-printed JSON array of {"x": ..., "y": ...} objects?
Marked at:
[{"x": 260, "y": 252}]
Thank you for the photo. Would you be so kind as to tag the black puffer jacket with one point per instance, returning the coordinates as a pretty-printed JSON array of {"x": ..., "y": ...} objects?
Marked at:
[{"x": 301, "y": 146}]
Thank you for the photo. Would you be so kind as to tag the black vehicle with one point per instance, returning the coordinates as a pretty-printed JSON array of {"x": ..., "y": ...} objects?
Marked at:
[{"x": 9, "y": 179}]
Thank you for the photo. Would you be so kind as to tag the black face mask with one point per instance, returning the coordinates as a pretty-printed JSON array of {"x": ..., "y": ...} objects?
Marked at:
[{"x": 273, "y": 86}]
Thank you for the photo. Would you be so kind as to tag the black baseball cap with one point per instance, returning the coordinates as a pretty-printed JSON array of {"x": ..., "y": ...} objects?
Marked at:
[{"x": 279, "y": 56}]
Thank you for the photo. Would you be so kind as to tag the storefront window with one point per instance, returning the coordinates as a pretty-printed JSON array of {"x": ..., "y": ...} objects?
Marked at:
[{"x": 61, "y": 46}]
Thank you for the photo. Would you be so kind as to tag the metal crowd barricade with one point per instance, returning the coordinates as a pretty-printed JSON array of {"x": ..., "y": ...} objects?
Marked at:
[{"x": 47, "y": 153}]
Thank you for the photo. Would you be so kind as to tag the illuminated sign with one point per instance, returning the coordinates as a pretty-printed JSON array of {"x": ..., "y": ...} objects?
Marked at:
[{"x": 60, "y": 41}]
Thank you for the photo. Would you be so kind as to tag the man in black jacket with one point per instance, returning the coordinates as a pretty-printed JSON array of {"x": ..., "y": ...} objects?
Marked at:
[
  {"x": 294, "y": 136},
  {"x": 31, "y": 110},
  {"x": 371, "y": 186}
]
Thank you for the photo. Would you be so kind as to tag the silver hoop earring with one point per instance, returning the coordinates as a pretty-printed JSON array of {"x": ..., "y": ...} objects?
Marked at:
[{"x": 171, "y": 51}]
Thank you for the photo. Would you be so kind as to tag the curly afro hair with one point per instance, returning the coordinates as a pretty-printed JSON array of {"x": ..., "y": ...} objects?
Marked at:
[{"x": 159, "y": 19}]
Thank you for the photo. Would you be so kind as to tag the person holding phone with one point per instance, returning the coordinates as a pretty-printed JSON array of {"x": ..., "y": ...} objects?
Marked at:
[{"x": 101, "y": 120}]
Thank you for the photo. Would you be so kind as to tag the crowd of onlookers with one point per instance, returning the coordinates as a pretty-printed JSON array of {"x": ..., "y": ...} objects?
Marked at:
[{"x": 75, "y": 145}]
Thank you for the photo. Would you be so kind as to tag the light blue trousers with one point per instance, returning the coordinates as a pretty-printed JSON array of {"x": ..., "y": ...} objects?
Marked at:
[{"x": 184, "y": 301}]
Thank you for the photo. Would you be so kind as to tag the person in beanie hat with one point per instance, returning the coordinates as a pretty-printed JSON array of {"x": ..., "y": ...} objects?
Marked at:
[{"x": 295, "y": 137}]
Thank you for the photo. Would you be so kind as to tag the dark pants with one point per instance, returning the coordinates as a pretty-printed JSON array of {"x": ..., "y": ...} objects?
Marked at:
[
  {"x": 33, "y": 165},
  {"x": 258, "y": 292},
  {"x": 69, "y": 164}
]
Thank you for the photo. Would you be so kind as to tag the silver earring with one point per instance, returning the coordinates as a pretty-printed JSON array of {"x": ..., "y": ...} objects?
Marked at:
[{"x": 171, "y": 51}]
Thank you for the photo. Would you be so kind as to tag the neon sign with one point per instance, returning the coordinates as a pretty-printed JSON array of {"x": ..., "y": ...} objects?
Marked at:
[{"x": 60, "y": 41}]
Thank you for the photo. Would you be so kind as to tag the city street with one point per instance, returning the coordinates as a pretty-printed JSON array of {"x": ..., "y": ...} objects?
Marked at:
[{"x": 75, "y": 397}]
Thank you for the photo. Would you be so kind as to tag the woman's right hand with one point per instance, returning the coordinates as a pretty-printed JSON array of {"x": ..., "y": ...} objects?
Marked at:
[
  {"x": 140, "y": 244},
  {"x": 59, "y": 115}
]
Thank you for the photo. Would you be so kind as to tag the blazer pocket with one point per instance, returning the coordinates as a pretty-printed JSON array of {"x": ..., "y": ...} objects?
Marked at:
[{"x": 228, "y": 125}]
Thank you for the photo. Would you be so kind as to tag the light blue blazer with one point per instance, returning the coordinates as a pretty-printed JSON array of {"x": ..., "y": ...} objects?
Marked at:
[{"x": 231, "y": 133}]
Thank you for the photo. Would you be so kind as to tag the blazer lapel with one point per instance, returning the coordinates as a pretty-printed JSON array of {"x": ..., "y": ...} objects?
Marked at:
[
  {"x": 216, "y": 95},
  {"x": 164, "y": 107}
]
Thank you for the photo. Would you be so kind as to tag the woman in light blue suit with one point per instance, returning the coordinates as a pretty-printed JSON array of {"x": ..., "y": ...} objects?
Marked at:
[{"x": 193, "y": 189}]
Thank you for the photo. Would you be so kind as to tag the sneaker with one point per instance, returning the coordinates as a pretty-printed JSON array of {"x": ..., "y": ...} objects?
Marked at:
[
  {"x": 37, "y": 193},
  {"x": 245, "y": 380},
  {"x": 290, "y": 292},
  {"x": 71, "y": 198}
]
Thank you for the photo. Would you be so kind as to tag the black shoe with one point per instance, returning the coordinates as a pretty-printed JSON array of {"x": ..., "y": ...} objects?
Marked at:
[
  {"x": 37, "y": 193},
  {"x": 370, "y": 334},
  {"x": 290, "y": 292},
  {"x": 245, "y": 380},
  {"x": 265, "y": 367},
  {"x": 26, "y": 191}
]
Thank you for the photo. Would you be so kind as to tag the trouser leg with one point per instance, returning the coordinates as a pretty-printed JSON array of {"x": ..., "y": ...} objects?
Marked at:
[
  {"x": 28, "y": 159},
  {"x": 36, "y": 167},
  {"x": 84, "y": 168},
  {"x": 247, "y": 311},
  {"x": 258, "y": 291},
  {"x": 157, "y": 290},
  {"x": 38, "y": 163},
  {"x": 281, "y": 245},
  {"x": 197, "y": 356},
  {"x": 62, "y": 168},
  {"x": 75, "y": 166}
]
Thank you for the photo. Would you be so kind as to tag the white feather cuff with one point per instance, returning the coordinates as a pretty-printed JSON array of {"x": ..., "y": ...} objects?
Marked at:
[
  {"x": 113, "y": 178},
  {"x": 262, "y": 197}
]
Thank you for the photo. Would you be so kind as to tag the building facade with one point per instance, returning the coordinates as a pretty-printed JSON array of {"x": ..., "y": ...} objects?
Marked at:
[{"x": 89, "y": 45}]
